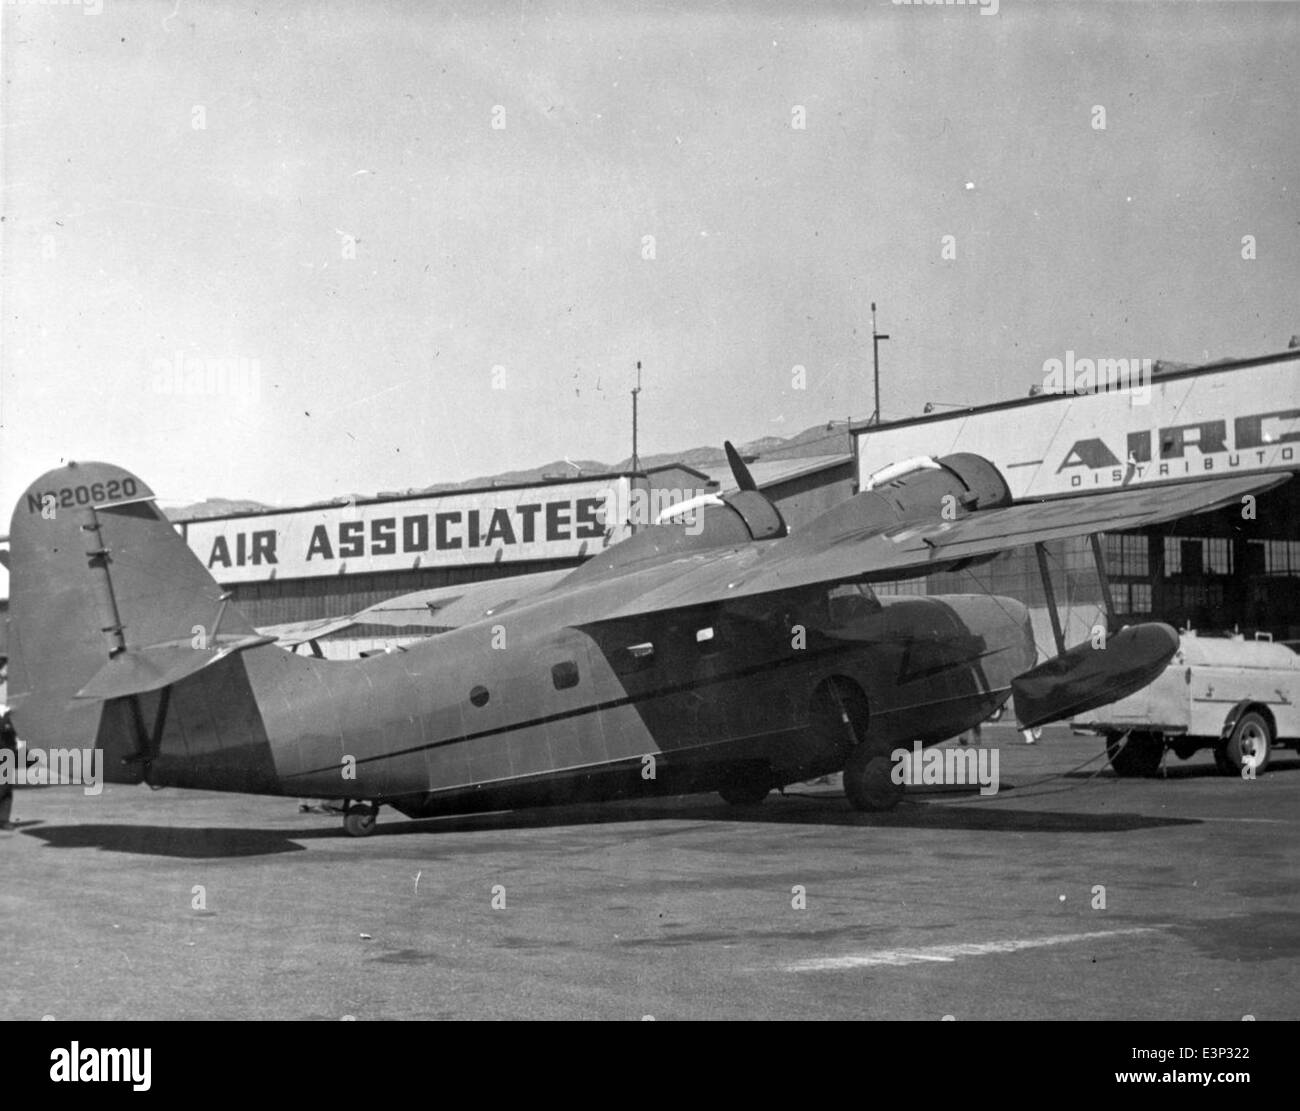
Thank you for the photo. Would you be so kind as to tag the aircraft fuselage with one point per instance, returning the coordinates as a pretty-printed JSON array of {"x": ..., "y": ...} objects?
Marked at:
[{"x": 538, "y": 707}]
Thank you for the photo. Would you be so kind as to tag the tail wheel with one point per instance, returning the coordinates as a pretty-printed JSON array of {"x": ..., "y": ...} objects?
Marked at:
[
  {"x": 1135, "y": 754},
  {"x": 1251, "y": 742},
  {"x": 359, "y": 821}
]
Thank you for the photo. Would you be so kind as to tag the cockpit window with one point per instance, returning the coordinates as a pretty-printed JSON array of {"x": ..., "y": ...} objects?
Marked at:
[{"x": 850, "y": 602}]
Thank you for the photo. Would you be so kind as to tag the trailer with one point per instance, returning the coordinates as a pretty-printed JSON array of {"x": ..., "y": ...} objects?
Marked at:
[{"x": 1238, "y": 697}]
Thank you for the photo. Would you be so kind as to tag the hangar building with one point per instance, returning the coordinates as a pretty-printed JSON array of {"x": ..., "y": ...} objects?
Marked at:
[
  {"x": 335, "y": 559},
  {"x": 1236, "y": 569}
]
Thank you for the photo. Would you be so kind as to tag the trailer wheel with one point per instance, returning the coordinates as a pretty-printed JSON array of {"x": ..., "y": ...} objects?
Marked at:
[
  {"x": 1137, "y": 756},
  {"x": 1251, "y": 741}
]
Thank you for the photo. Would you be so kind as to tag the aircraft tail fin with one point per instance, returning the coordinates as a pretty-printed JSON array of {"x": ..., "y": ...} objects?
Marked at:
[{"x": 110, "y": 615}]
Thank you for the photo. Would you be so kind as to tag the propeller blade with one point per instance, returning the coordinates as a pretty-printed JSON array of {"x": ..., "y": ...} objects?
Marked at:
[{"x": 739, "y": 471}]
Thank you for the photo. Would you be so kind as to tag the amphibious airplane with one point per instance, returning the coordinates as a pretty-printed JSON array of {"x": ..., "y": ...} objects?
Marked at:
[{"x": 729, "y": 656}]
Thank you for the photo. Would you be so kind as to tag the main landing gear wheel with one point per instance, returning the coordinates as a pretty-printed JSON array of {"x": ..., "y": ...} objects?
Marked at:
[
  {"x": 1138, "y": 756},
  {"x": 359, "y": 821},
  {"x": 869, "y": 781},
  {"x": 1251, "y": 740}
]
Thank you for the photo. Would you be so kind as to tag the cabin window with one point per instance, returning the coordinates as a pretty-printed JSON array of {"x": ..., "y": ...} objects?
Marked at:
[
  {"x": 635, "y": 657},
  {"x": 479, "y": 696},
  {"x": 707, "y": 642},
  {"x": 564, "y": 675}
]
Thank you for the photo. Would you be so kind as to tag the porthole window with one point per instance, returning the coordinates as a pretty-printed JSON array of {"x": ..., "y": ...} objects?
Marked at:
[
  {"x": 564, "y": 675},
  {"x": 479, "y": 696}
]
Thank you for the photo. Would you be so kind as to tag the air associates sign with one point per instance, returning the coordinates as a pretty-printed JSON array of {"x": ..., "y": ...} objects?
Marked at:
[{"x": 491, "y": 526}]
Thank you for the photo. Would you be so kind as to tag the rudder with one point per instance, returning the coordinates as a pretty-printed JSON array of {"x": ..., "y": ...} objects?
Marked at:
[{"x": 108, "y": 605}]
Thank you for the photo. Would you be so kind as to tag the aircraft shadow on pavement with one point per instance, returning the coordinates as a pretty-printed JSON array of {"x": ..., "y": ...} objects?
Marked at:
[
  {"x": 799, "y": 810},
  {"x": 232, "y": 842},
  {"x": 177, "y": 841}
]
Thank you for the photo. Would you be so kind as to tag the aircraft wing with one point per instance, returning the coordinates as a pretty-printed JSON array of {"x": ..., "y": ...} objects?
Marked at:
[
  {"x": 436, "y": 609},
  {"x": 293, "y": 633},
  {"x": 449, "y": 607},
  {"x": 842, "y": 545}
]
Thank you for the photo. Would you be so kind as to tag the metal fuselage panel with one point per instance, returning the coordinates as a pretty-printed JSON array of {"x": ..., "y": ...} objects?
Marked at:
[{"x": 666, "y": 703}]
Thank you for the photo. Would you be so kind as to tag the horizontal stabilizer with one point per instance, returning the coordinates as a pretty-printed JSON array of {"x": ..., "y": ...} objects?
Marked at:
[{"x": 138, "y": 670}]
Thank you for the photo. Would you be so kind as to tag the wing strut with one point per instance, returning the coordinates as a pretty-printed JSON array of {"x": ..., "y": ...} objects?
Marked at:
[
  {"x": 1040, "y": 550},
  {"x": 1104, "y": 579}
]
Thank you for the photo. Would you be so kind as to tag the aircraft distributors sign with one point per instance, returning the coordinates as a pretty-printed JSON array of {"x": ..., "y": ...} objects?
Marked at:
[
  {"x": 1200, "y": 425},
  {"x": 447, "y": 530}
]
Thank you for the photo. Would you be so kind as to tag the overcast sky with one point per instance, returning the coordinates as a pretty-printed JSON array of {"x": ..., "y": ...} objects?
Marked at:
[{"x": 132, "y": 233}]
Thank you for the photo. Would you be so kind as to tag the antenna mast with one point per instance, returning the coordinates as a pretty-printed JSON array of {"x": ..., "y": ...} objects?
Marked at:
[
  {"x": 876, "y": 337},
  {"x": 636, "y": 460}
]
